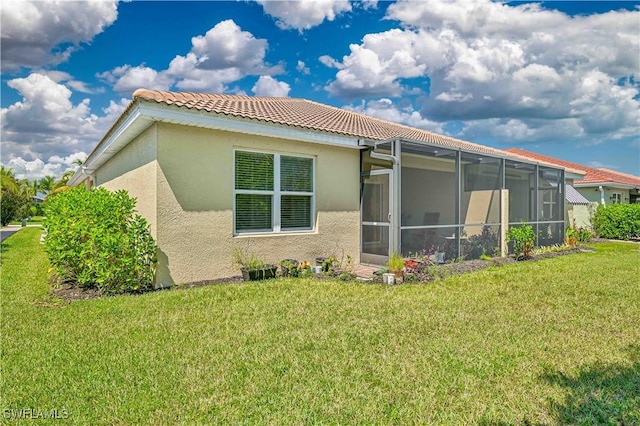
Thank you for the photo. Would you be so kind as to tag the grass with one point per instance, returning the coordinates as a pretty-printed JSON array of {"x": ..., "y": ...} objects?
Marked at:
[
  {"x": 552, "y": 342},
  {"x": 34, "y": 220}
]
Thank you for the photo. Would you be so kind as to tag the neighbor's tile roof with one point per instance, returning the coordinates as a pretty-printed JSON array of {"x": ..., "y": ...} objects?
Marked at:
[
  {"x": 593, "y": 175},
  {"x": 306, "y": 114}
]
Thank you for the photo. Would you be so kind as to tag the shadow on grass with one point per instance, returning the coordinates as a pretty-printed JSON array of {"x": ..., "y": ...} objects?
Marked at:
[
  {"x": 4, "y": 247},
  {"x": 600, "y": 394}
]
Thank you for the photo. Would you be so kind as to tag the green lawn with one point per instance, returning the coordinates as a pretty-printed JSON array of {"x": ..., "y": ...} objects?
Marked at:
[
  {"x": 549, "y": 342},
  {"x": 34, "y": 220}
]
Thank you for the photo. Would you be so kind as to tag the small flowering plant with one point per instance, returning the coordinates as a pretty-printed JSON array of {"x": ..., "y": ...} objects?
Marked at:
[{"x": 417, "y": 266}]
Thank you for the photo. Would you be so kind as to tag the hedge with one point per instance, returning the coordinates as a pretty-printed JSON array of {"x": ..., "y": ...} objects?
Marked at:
[{"x": 617, "y": 221}]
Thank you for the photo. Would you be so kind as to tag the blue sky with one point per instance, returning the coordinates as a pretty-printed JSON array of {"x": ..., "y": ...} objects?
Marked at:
[{"x": 558, "y": 78}]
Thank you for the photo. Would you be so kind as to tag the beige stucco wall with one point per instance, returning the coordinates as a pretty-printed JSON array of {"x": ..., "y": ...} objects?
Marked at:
[
  {"x": 134, "y": 169},
  {"x": 582, "y": 215},
  {"x": 195, "y": 201}
]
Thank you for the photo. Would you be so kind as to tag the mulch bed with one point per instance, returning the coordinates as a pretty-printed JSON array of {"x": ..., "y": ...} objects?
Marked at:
[
  {"x": 477, "y": 264},
  {"x": 69, "y": 293}
]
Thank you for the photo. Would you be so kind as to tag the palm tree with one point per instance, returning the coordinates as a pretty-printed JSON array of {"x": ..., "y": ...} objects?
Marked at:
[
  {"x": 46, "y": 183},
  {"x": 8, "y": 181},
  {"x": 62, "y": 184},
  {"x": 26, "y": 188}
]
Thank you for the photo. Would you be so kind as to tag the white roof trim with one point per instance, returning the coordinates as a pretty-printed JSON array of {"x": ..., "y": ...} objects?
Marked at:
[
  {"x": 607, "y": 184},
  {"x": 132, "y": 125},
  {"x": 144, "y": 113}
]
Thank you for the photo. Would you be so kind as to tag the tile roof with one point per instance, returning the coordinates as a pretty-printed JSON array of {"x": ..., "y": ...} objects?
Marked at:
[
  {"x": 593, "y": 175},
  {"x": 305, "y": 114}
]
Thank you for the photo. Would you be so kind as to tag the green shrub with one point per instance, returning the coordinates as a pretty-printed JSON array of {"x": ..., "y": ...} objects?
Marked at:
[
  {"x": 396, "y": 262},
  {"x": 617, "y": 221},
  {"x": 523, "y": 239},
  {"x": 95, "y": 239},
  {"x": 584, "y": 235},
  {"x": 571, "y": 237},
  {"x": 13, "y": 205}
]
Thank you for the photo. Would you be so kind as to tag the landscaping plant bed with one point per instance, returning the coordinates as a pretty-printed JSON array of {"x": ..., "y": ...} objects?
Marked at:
[
  {"x": 70, "y": 292},
  {"x": 457, "y": 268}
]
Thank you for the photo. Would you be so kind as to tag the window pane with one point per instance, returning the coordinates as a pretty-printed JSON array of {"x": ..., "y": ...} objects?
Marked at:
[
  {"x": 375, "y": 198},
  {"x": 550, "y": 197},
  {"x": 428, "y": 186},
  {"x": 253, "y": 212},
  {"x": 481, "y": 173},
  {"x": 295, "y": 211},
  {"x": 520, "y": 181},
  {"x": 296, "y": 174},
  {"x": 254, "y": 171}
]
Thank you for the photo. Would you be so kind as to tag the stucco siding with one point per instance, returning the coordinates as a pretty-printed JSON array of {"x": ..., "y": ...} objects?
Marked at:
[
  {"x": 195, "y": 204},
  {"x": 592, "y": 193},
  {"x": 582, "y": 215},
  {"x": 134, "y": 169}
]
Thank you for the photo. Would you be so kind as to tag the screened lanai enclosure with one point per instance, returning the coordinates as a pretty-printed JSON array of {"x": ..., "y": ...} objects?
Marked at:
[{"x": 449, "y": 204}]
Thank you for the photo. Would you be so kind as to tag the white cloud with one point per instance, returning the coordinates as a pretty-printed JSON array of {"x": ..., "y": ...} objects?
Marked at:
[
  {"x": 268, "y": 86},
  {"x": 305, "y": 14},
  {"x": 34, "y": 31},
  {"x": 530, "y": 72},
  {"x": 301, "y": 67},
  {"x": 385, "y": 109},
  {"x": 328, "y": 61},
  {"x": 46, "y": 108},
  {"x": 227, "y": 46},
  {"x": 375, "y": 67},
  {"x": 512, "y": 131},
  {"x": 65, "y": 77},
  {"x": 368, "y": 4},
  {"x": 37, "y": 169},
  {"x": 127, "y": 79},
  {"x": 46, "y": 124},
  {"x": 223, "y": 55}
]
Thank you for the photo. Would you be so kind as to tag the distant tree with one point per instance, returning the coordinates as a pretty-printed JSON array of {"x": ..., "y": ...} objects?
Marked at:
[
  {"x": 46, "y": 183},
  {"x": 62, "y": 184},
  {"x": 14, "y": 201},
  {"x": 8, "y": 180},
  {"x": 64, "y": 179},
  {"x": 13, "y": 205},
  {"x": 27, "y": 188}
]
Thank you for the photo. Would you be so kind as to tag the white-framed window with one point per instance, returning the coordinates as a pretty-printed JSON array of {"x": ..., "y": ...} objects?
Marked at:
[
  {"x": 616, "y": 198},
  {"x": 549, "y": 209},
  {"x": 273, "y": 192}
]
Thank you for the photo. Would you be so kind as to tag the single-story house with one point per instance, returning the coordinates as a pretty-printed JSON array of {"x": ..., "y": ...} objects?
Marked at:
[
  {"x": 38, "y": 198},
  {"x": 292, "y": 178}
]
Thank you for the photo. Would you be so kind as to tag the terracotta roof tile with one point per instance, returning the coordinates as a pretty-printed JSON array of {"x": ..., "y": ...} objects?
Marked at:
[
  {"x": 593, "y": 175},
  {"x": 305, "y": 114}
]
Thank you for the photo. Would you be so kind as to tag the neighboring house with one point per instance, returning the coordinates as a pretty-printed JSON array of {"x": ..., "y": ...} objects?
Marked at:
[
  {"x": 38, "y": 198},
  {"x": 291, "y": 178},
  {"x": 599, "y": 185}
]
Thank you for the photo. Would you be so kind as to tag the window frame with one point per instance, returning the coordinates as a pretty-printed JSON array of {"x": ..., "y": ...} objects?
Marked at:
[
  {"x": 277, "y": 193},
  {"x": 616, "y": 198}
]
